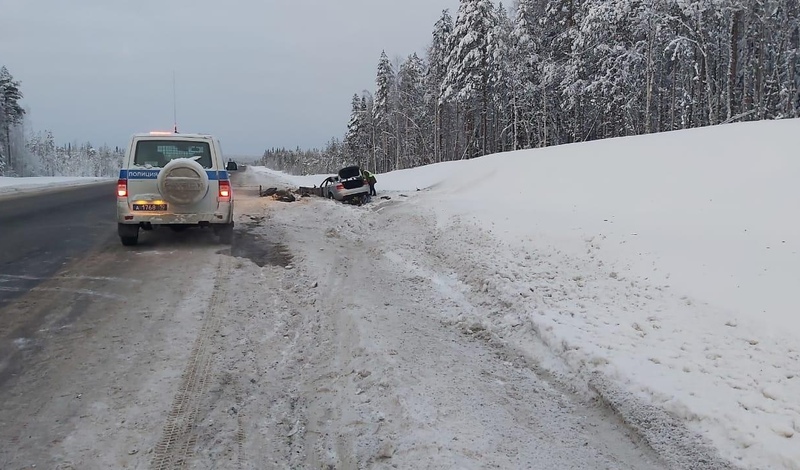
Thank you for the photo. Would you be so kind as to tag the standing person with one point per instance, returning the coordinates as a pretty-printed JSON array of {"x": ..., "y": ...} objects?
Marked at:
[{"x": 371, "y": 180}]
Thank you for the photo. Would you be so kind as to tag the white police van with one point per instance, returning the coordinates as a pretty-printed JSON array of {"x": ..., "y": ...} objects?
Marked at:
[{"x": 175, "y": 180}]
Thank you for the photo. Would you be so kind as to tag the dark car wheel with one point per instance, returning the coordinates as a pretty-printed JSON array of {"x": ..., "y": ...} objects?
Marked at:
[
  {"x": 129, "y": 241},
  {"x": 128, "y": 234}
]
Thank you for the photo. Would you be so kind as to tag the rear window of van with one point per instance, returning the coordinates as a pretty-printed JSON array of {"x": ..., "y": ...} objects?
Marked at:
[{"x": 157, "y": 153}]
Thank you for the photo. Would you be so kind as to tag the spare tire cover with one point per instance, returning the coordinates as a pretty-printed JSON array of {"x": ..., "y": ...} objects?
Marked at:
[{"x": 183, "y": 181}]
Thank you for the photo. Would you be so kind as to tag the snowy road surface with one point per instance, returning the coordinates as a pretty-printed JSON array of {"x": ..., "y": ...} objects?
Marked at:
[
  {"x": 325, "y": 337},
  {"x": 661, "y": 269},
  {"x": 42, "y": 231}
]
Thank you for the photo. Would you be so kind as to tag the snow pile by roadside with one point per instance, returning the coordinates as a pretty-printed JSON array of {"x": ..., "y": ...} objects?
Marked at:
[
  {"x": 9, "y": 185},
  {"x": 306, "y": 180},
  {"x": 402, "y": 180},
  {"x": 667, "y": 262}
]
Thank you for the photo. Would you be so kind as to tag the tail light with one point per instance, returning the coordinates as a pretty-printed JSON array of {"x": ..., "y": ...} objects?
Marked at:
[
  {"x": 122, "y": 188},
  {"x": 224, "y": 191},
  {"x": 340, "y": 186}
]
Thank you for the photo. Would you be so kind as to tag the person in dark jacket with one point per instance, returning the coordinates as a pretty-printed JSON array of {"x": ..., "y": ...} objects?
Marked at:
[{"x": 371, "y": 180}]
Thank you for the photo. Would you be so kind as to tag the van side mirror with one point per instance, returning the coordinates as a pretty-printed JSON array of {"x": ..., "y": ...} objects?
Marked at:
[{"x": 232, "y": 166}]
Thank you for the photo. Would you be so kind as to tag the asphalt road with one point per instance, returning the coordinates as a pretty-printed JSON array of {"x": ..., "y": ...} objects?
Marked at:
[
  {"x": 40, "y": 233},
  {"x": 91, "y": 331}
]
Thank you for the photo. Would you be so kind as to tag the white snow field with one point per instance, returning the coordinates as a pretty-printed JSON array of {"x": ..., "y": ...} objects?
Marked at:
[{"x": 661, "y": 270}]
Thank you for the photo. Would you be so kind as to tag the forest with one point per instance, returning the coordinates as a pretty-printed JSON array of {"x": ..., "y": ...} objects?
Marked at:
[
  {"x": 36, "y": 153},
  {"x": 534, "y": 74},
  {"x": 554, "y": 72}
]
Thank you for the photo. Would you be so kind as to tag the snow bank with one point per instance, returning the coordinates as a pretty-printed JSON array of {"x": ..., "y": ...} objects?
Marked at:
[
  {"x": 10, "y": 185},
  {"x": 708, "y": 211},
  {"x": 403, "y": 180},
  {"x": 668, "y": 262},
  {"x": 684, "y": 251},
  {"x": 307, "y": 180}
]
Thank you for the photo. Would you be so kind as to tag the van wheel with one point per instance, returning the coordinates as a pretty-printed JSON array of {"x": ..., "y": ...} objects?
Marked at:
[
  {"x": 129, "y": 241},
  {"x": 128, "y": 234}
]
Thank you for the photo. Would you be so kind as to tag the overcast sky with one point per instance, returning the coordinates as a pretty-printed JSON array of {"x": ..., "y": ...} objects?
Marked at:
[{"x": 256, "y": 73}]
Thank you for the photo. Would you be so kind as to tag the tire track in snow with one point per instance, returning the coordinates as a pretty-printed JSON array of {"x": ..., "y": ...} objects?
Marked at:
[
  {"x": 179, "y": 434},
  {"x": 240, "y": 432}
]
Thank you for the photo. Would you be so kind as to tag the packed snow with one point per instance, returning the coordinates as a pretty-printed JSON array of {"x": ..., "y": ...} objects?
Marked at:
[
  {"x": 666, "y": 264},
  {"x": 272, "y": 354},
  {"x": 11, "y": 185}
]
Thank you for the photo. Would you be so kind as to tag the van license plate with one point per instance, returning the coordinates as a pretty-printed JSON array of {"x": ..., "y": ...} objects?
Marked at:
[{"x": 150, "y": 207}]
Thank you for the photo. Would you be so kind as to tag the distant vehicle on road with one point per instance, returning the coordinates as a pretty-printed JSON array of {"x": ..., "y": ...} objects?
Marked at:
[
  {"x": 347, "y": 186},
  {"x": 176, "y": 180}
]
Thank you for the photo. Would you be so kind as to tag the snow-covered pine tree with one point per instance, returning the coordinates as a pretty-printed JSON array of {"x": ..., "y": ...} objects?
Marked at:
[
  {"x": 335, "y": 155},
  {"x": 353, "y": 136},
  {"x": 367, "y": 131},
  {"x": 771, "y": 40},
  {"x": 11, "y": 114},
  {"x": 524, "y": 80},
  {"x": 607, "y": 69},
  {"x": 557, "y": 28},
  {"x": 439, "y": 108},
  {"x": 414, "y": 129},
  {"x": 499, "y": 137},
  {"x": 3, "y": 150},
  {"x": 382, "y": 112},
  {"x": 468, "y": 78},
  {"x": 48, "y": 155}
]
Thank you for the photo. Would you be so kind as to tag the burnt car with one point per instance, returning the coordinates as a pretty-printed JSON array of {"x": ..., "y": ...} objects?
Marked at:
[{"x": 347, "y": 186}]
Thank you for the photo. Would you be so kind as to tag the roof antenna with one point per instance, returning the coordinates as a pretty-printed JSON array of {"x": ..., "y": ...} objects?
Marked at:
[{"x": 174, "y": 106}]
